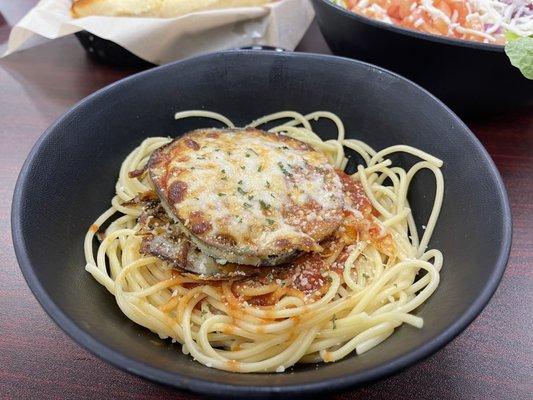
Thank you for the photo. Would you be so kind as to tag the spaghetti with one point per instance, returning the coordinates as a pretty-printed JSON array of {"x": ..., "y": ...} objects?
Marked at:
[{"x": 366, "y": 291}]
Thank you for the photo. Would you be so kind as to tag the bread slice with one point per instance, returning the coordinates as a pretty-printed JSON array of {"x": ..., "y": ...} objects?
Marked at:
[{"x": 153, "y": 8}]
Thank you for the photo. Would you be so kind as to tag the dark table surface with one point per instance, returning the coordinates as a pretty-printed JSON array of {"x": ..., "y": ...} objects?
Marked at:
[{"x": 492, "y": 359}]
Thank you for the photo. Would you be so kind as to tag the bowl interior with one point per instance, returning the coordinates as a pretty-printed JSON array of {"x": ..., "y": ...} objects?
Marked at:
[
  {"x": 70, "y": 175},
  {"x": 413, "y": 32}
]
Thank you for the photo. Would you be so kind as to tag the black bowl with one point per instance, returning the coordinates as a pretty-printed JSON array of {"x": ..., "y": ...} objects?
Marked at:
[
  {"x": 470, "y": 77},
  {"x": 69, "y": 177}
]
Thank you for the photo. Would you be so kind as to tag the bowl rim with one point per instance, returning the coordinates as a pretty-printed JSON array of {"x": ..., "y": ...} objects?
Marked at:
[
  {"x": 498, "y": 48},
  {"x": 207, "y": 387}
]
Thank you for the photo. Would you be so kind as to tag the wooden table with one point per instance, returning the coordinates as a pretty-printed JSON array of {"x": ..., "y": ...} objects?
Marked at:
[{"x": 492, "y": 359}]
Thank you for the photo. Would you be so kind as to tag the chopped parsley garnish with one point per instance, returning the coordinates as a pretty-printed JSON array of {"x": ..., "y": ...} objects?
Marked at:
[
  {"x": 272, "y": 195},
  {"x": 221, "y": 194},
  {"x": 270, "y": 221},
  {"x": 250, "y": 197},
  {"x": 267, "y": 184},
  {"x": 283, "y": 169},
  {"x": 247, "y": 205},
  {"x": 334, "y": 321},
  {"x": 223, "y": 171},
  {"x": 243, "y": 167},
  {"x": 284, "y": 148},
  {"x": 240, "y": 182},
  {"x": 260, "y": 168},
  {"x": 264, "y": 206},
  {"x": 365, "y": 275},
  {"x": 239, "y": 189}
]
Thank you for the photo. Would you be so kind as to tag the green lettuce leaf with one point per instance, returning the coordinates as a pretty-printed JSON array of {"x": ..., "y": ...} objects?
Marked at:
[
  {"x": 520, "y": 52},
  {"x": 511, "y": 36}
]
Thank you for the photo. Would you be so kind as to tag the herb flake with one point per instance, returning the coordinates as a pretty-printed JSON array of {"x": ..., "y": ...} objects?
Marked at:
[
  {"x": 264, "y": 206},
  {"x": 283, "y": 169}
]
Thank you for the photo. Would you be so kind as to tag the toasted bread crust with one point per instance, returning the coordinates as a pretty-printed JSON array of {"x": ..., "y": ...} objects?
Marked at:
[{"x": 153, "y": 8}]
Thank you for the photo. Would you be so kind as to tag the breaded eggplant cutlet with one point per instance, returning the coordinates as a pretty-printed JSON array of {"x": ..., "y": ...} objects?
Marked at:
[{"x": 245, "y": 196}]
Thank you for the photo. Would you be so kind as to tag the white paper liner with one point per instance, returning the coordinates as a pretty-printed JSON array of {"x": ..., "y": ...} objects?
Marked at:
[{"x": 161, "y": 40}]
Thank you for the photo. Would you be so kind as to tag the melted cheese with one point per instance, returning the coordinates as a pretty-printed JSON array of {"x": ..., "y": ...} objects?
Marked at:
[{"x": 253, "y": 192}]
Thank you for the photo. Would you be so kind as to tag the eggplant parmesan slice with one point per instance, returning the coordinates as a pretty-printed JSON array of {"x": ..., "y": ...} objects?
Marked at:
[
  {"x": 246, "y": 196},
  {"x": 162, "y": 238}
]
